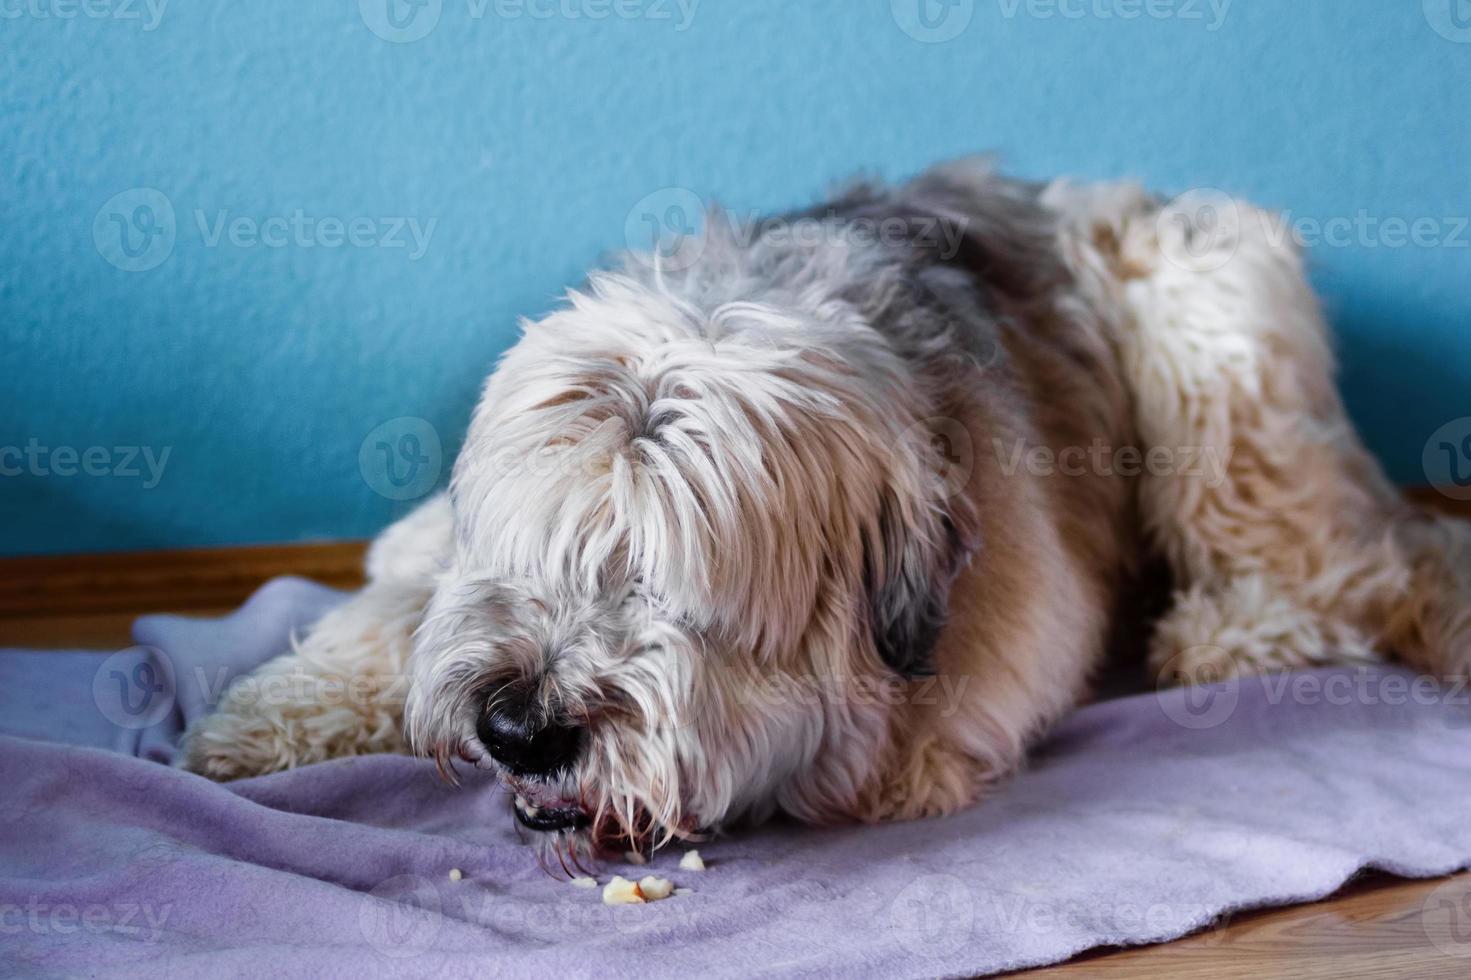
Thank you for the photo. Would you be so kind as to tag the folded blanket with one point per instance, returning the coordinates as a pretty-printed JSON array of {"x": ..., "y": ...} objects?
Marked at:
[{"x": 1140, "y": 820}]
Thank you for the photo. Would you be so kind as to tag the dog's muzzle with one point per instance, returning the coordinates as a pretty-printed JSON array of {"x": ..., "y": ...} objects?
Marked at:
[{"x": 533, "y": 749}]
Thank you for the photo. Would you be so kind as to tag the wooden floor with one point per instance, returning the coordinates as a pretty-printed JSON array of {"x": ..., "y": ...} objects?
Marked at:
[{"x": 1376, "y": 927}]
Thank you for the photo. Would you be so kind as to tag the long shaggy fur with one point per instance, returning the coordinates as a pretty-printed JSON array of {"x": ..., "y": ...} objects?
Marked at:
[{"x": 741, "y": 515}]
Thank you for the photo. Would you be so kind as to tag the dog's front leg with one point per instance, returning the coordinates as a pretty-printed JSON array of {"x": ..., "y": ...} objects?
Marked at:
[{"x": 341, "y": 691}]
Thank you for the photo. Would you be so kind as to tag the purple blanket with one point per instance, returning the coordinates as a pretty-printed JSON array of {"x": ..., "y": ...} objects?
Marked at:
[{"x": 1141, "y": 820}]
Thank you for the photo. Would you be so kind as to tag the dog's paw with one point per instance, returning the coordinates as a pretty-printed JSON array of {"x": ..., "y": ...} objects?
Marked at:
[
  {"x": 298, "y": 709},
  {"x": 225, "y": 747},
  {"x": 926, "y": 778},
  {"x": 286, "y": 716}
]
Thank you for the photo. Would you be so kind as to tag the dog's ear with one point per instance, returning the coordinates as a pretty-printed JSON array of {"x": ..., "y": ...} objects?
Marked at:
[{"x": 908, "y": 578}]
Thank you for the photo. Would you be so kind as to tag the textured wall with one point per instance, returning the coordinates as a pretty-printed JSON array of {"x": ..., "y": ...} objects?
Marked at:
[{"x": 260, "y": 334}]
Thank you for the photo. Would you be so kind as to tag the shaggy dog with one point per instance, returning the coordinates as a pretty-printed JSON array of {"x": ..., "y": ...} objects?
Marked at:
[{"x": 833, "y": 514}]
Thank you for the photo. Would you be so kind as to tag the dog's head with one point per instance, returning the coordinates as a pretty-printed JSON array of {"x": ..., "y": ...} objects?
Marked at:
[{"x": 684, "y": 538}]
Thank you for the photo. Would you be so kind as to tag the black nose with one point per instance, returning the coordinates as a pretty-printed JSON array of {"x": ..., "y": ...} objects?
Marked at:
[{"x": 518, "y": 737}]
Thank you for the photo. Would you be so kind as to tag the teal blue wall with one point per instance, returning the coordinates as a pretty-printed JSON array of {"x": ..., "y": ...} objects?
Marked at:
[{"x": 523, "y": 145}]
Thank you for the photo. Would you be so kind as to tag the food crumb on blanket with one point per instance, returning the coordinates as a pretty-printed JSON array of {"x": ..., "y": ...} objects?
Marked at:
[
  {"x": 621, "y": 891},
  {"x": 455, "y": 874},
  {"x": 584, "y": 882},
  {"x": 654, "y": 888},
  {"x": 692, "y": 861}
]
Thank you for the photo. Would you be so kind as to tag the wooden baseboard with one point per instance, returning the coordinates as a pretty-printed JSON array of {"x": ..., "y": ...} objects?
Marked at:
[
  {"x": 1433, "y": 499},
  {"x": 173, "y": 581}
]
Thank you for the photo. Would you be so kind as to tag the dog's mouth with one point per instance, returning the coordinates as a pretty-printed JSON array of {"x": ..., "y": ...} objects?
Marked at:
[
  {"x": 568, "y": 822},
  {"x": 561, "y": 815},
  {"x": 537, "y": 805},
  {"x": 544, "y": 807},
  {"x": 549, "y": 807}
]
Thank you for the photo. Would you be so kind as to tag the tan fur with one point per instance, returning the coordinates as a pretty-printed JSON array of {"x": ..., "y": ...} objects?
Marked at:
[
  {"x": 1306, "y": 543},
  {"x": 705, "y": 562},
  {"x": 1305, "y": 555}
]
